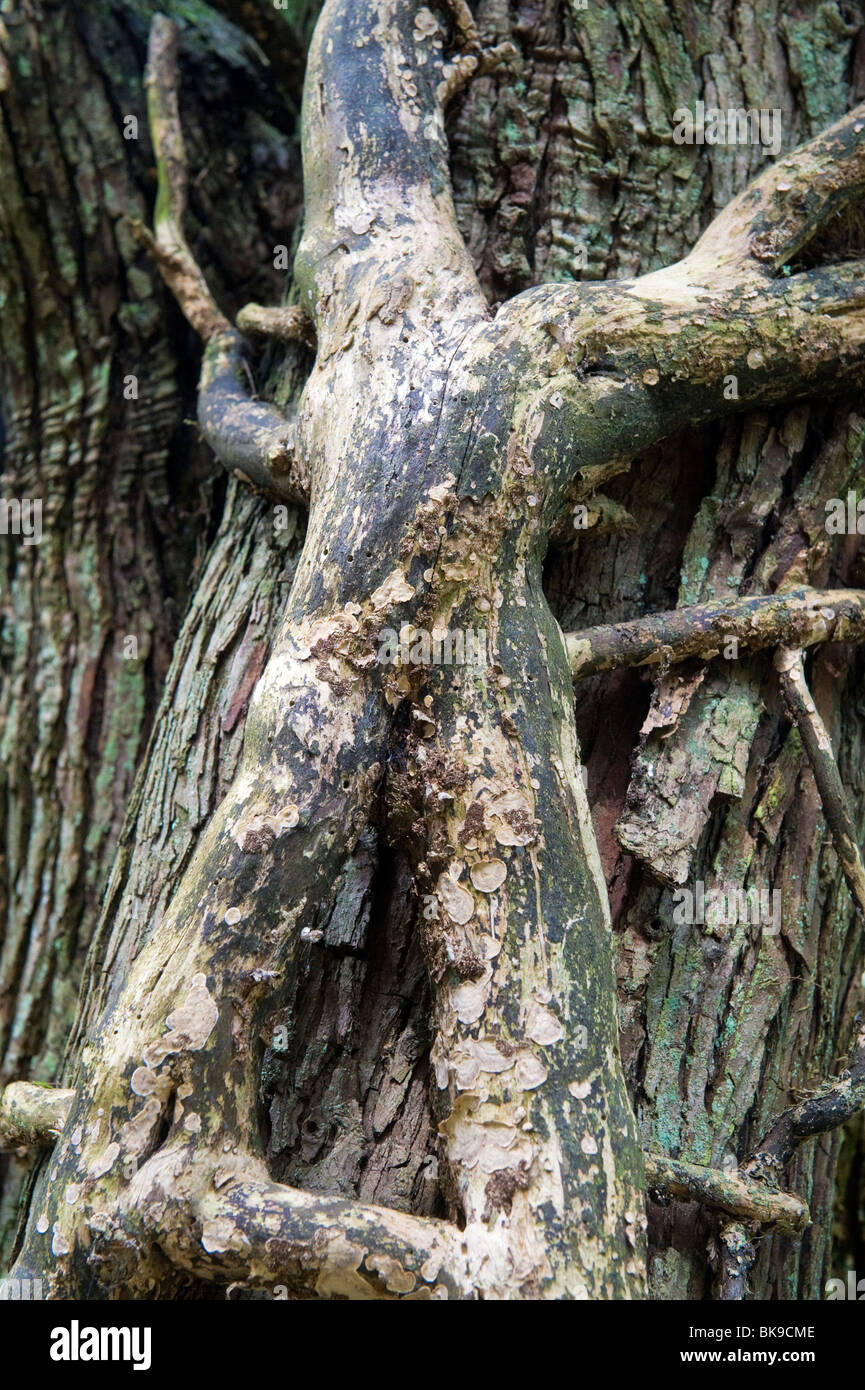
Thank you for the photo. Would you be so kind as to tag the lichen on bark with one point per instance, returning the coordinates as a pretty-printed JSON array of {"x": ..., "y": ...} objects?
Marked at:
[{"x": 438, "y": 461}]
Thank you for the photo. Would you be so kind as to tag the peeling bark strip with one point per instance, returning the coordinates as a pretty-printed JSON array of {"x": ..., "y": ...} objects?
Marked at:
[{"x": 441, "y": 445}]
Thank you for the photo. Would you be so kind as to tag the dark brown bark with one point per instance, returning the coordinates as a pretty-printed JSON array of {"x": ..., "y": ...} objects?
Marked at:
[
  {"x": 130, "y": 497},
  {"x": 718, "y": 1035}
]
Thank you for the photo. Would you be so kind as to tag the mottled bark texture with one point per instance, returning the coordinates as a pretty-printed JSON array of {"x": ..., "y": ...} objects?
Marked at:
[
  {"x": 97, "y": 376},
  {"x": 256, "y": 1012}
]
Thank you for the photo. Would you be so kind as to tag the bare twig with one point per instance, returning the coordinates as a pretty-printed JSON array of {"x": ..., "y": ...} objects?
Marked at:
[
  {"x": 801, "y": 616},
  {"x": 832, "y": 1106},
  {"x": 169, "y": 246},
  {"x": 737, "y": 1194},
  {"x": 252, "y": 439},
  {"x": 818, "y": 747}
]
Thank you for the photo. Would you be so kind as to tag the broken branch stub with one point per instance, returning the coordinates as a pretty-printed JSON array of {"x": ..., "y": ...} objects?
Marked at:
[{"x": 32, "y": 1116}]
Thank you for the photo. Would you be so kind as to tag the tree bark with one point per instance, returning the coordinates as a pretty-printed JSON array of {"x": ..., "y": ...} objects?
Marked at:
[
  {"x": 98, "y": 375},
  {"x": 303, "y": 992}
]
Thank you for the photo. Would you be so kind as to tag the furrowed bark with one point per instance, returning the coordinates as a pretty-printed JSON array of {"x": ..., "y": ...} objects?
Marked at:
[{"x": 439, "y": 445}]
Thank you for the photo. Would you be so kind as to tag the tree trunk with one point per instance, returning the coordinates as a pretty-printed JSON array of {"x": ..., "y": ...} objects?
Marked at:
[
  {"x": 348, "y": 1019},
  {"x": 98, "y": 373}
]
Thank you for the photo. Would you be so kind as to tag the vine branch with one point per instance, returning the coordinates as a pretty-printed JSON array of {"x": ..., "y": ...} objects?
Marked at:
[
  {"x": 818, "y": 746},
  {"x": 169, "y": 245},
  {"x": 716, "y": 333},
  {"x": 833, "y": 1105},
  {"x": 801, "y": 616},
  {"x": 250, "y": 438},
  {"x": 736, "y": 1194}
]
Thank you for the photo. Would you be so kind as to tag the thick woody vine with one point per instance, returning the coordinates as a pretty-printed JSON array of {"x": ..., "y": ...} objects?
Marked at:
[{"x": 437, "y": 447}]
